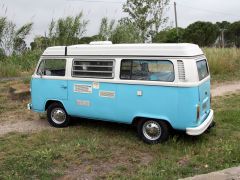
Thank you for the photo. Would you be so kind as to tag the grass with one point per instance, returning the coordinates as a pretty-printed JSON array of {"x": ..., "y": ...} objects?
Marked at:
[
  {"x": 13, "y": 110},
  {"x": 113, "y": 151},
  {"x": 224, "y": 63},
  {"x": 19, "y": 65}
]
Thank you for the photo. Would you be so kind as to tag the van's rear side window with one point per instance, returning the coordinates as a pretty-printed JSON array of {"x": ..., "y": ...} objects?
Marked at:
[
  {"x": 147, "y": 70},
  {"x": 202, "y": 69}
]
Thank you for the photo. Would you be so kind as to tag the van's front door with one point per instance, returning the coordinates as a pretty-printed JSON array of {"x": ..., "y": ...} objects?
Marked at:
[{"x": 49, "y": 83}]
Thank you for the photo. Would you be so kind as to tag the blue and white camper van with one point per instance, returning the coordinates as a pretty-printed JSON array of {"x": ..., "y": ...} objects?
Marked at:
[{"x": 154, "y": 86}]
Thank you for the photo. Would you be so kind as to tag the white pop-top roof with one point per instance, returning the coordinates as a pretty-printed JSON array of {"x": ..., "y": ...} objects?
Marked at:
[{"x": 168, "y": 50}]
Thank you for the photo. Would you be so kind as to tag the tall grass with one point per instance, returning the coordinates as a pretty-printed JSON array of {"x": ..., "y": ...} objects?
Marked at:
[
  {"x": 17, "y": 65},
  {"x": 224, "y": 63}
]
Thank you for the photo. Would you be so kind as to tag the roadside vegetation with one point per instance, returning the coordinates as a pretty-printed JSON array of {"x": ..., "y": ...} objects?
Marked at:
[
  {"x": 224, "y": 63},
  {"x": 82, "y": 150}
]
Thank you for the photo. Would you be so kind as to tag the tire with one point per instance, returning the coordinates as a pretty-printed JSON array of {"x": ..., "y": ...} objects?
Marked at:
[
  {"x": 57, "y": 116},
  {"x": 152, "y": 131}
]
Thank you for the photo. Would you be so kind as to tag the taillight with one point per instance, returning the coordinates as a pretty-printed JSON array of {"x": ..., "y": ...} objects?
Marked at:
[{"x": 198, "y": 112}]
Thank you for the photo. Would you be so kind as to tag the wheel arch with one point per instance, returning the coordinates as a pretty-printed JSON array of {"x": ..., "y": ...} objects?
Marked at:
[
  {"x": 137, "y": 119},
  {"x": 51, "y": 101}
]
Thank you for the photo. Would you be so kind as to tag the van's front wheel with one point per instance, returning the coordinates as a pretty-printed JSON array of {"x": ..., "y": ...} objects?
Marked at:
[
  {"x": 152, "y": 131},
  {"x": 57, "y": 116}
]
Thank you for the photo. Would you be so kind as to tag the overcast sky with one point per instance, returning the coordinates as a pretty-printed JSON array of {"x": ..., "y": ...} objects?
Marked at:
[{"x": 42, "y": 11}]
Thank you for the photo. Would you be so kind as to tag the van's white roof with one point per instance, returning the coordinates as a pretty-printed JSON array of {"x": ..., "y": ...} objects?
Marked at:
[{"x": 168, "y": 50}]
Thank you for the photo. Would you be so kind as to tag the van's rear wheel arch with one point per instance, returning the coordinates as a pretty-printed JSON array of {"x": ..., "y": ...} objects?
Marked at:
[
  {"x": 151, "y": 130},
  {"x": 136, "y": 120}
]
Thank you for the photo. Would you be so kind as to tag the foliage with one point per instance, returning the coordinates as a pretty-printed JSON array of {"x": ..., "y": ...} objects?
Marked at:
[
  {"x": 223, "y": 25},
  {"x": 146, "y": 15},
  {"x": 169, "y": 36},
  {"x": 106, "y": 29},
  {"x": 12, "y": 40},
  {"x": 201, "y": 33},
  {"x": 40, "y": 43},
  {"x": 126, "y": 32},
  {"x": 233, "y": 33},
  {"x": 67, "y": 31},
  {"x": 17, "y": 65},
  {"x": 158, "y": 10},
  {"x": 224, "y": 63}
]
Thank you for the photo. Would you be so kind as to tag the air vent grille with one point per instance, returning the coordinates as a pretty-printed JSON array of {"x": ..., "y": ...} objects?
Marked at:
[{"x": 181, "y": 70}]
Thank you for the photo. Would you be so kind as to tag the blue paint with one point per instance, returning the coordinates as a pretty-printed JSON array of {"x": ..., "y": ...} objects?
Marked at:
[{"x": 177, "y": 105}]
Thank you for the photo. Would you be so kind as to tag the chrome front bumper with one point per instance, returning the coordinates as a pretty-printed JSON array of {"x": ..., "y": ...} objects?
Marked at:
[{"x": 203, "y": 127}]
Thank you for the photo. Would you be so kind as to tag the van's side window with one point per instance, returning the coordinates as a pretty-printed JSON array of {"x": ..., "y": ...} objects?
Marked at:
[
  {"x": 148, "y": 70},
  {"x": 103, "y": 69},
  {"x": 202, "y": 69},
  {"x": 52, "y": 67}
]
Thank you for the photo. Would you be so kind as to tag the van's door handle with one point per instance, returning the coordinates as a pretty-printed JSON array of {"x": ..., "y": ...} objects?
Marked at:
[{"x": 63, "y": 86}]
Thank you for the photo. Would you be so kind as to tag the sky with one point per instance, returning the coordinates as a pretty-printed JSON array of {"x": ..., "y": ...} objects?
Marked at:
[{"x": 41, "y": 12}]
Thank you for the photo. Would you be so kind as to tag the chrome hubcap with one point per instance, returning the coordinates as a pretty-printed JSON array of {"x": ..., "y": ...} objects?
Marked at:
[
  {"x": 58, "y": 115},
  {"x": 152, "y": 130}
]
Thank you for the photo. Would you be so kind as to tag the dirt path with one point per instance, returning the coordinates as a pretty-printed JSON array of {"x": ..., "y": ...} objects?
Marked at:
[
  {"x": 39, "y": 124},
  {"x": 222, "y": 89},
  {"x": 13, "y": 78},
  {"x": 24, "y": 126}
]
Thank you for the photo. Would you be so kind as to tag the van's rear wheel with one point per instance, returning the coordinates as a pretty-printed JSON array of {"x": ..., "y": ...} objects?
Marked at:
[
  {"x": 57, "y": 116},
  {"x": 152, "y": 131}
]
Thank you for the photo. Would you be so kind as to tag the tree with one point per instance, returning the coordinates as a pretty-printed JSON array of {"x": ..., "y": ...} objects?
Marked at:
[
  {"x": 146, "y": 15},
  {"x": 126, "y": 32},
  {"x": 106, "y": 29},
  {"x": 223, "y": 24},
  {"x": 233, "y": 33},
  {"x": 19, "y": 45},
  {"x": 2, "y": 27},
  {"x": 139, "y": 11},
  {"x": 201, "y": 33},
  {"x": 40, "y": 43},
  {"x": 169, "y": 36},
  {"x": 12, "y": 40},
  {"x": 158, "y": 9},
  {"x": 67, "y": 31}
]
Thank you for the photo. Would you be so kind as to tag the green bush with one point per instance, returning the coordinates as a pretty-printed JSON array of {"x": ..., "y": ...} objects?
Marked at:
[{"x": 17, "y": 65}]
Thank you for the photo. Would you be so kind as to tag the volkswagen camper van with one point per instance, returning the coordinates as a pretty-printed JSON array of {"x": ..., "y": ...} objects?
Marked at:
[{"x": 156, "y": 87}]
